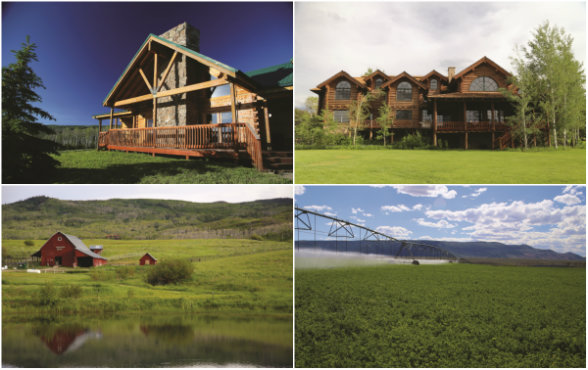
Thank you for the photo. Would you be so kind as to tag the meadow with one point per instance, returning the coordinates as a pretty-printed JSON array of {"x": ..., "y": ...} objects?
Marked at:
[
  {"x": 344, "y": 166},
  {"x": 230, "y": 276},
  {"x": 104, "y": 167},
  {"x": 440, "y": 316}
]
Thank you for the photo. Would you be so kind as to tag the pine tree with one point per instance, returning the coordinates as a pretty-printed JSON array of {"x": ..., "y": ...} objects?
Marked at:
[{"x": 25, "y": 157}]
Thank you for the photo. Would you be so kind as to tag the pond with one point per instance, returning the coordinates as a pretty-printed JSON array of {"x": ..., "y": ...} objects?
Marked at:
[{"x": 149, "y": 341}]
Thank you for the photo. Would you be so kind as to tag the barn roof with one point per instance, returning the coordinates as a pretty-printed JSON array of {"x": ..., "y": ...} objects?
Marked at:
[
  {"x": 149, "y": 254},
  {"x": 81, "y": 247}
]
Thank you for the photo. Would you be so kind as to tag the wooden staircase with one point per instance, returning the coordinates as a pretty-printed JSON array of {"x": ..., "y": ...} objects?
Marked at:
[
  {"x": 278, "y": 160},
  {"x": 504, "y": 140}
]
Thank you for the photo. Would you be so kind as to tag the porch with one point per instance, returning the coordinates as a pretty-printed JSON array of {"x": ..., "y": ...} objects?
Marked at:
[{"x": 207, "y": 140}]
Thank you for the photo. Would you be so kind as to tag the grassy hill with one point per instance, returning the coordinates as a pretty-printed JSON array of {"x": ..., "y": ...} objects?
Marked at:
[{"x": 40, "y": 217}]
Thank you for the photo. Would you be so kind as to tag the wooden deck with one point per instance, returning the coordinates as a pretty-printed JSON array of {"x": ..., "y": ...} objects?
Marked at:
[
  {"x": 224, "y": 139},
  {"x": 460, "y": 126}
]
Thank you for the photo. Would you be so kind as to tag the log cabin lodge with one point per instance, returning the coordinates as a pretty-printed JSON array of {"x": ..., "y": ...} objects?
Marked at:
[
  {"x": 177, "y": 101},
  {"x": 465, "y": 110}
]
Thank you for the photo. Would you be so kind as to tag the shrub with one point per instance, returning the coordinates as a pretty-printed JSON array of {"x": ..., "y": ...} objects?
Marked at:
[
  {"x": 256, "y": 237},
  {"x": 47, "y": 296},
  {"x": 412, "y": 141},
  {"x": 170, "y": 272},
  {"x": 71, "y": 291},
  {"x": 29, "y": 243}
]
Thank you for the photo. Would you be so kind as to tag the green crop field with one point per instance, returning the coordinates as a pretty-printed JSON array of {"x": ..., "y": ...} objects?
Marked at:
[
  {"x": 232, "y": 276},
  {"x": 440, "y": 167},
  {"x": 441, "y": 316},
  {"x": 103, "y": 167}
]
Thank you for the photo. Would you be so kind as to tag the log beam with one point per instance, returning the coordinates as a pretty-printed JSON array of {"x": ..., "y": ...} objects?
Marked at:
[
  {"x": 154, "y": 72},
  {"x": 145, "y": 79},
  {"x": 233, "y": 103},
  {"x": 111, "y": 114},
  {"x": 167, "y": 69},
  {"x": 268, "y": 137},
  {"x": 179, "y": 90}
]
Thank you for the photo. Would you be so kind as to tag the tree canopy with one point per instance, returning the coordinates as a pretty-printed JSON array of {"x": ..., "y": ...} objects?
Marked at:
[{"x": 25, "y": 157}]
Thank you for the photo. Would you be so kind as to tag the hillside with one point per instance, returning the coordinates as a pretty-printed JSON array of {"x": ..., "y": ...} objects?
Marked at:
[
  {"x": 459, "y": 249},
  {"x": 40, "y": 217}
]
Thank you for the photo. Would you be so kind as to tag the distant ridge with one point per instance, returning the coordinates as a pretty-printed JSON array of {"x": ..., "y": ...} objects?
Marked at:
[
  {"x": 459, "y": 249},
  {"x": 40, "y": 217}
]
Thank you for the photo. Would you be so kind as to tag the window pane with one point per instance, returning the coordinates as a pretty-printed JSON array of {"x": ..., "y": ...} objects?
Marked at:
[
  {"x": 341, "y": 116},
  {"x": 222, "y": 90},
  {"x": 484, "y": 84},
  {"x": 404, "y": 91},
  {"x": 433, "y": 84},
  {"x": 343, "y": 91},
  {"x": 473, "y": 116},
  {"x": 226, "y": 117},
  {"x": 378, "y": 82},
  {"x": 404, "y": 114}
]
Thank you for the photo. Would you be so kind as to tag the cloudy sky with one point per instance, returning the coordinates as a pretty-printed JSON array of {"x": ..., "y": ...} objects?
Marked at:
[
  {"x": 192, "y": 193},
  {"x": 546, "y": 217},
  {"x": 418, "y": 37}
]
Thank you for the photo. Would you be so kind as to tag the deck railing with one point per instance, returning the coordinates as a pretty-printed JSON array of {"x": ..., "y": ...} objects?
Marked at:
[
  {"x": 483, "y": 126},
  {"x": 236, "y": 136}
]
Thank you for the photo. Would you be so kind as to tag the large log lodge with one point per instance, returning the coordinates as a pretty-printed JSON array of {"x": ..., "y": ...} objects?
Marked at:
[
  {"x": 177, "y": 101},
  {"x": 464, "y": 109}
]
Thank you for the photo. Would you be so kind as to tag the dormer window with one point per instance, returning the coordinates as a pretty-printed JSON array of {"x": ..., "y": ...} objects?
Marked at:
[
  {"x": 433, "y": 84},
  {"x": 404, "y": 91},
  {"x": 343, "y": 91},
  {"x": 483, "y": 84},
  {"x": 378, "y": 82}
]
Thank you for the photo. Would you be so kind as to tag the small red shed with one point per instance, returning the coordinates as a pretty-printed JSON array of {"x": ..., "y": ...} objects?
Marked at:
[
  {"x": 147, "y": 259},
  {"x": 68, "y": 250}
]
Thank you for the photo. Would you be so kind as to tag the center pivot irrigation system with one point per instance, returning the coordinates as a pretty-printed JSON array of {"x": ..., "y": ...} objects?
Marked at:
[{"x": 343, "y": 235}]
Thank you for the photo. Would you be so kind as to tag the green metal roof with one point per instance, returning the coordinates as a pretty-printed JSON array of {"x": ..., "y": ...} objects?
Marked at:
[{"x": 279, "y": 75}]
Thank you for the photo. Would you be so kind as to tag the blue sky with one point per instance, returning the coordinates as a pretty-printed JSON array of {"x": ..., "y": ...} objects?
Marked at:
[
  {"x": 84, "y": 47},
  {"x": 547, "y": 217}
]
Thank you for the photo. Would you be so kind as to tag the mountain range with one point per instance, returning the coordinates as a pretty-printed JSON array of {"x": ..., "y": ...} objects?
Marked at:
[{"x": 40, "y": 217}]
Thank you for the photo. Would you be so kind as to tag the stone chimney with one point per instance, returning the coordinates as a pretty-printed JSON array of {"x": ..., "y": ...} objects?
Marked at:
[
  {"x": 185, "y": 35},
  {"x": 450, "y": 73}
]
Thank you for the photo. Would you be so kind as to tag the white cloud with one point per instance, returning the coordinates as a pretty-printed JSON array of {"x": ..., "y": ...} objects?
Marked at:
[
  {"x": 429, "y": 191},
  {"x": 299, "y": 189},
  {"x": 417, "y": 207},
  {"x": 330, "y": 214},
  {"x": 331, "y": 36},
  {"x": 568, "y": 199},
  {"x": 318, "y": 208},
  {"x": 356, "y": 210},
  {"x": 394, "y": 231},
  {"x": 358, "y": 220},
  {"x": 394, "y": 209},
  {"x": 368, "y": 215},
  {"x": 476, "y": 193},
  {"x": 441, "y": 224}
]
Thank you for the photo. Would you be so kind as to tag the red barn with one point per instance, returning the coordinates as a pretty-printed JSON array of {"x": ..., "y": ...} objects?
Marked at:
[
  {"x": 147, "y": 259},
  {"x": 68, "y": 250}
]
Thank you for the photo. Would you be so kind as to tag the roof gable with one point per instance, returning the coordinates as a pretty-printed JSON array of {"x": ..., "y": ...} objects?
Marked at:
[
  {"x": 408, "y": 77},
  {"x": 434, "y": 73},
  {"x": 201, "y": 58},
  {"x": 149, "y": 255},
  {"x": 344, "y": 75},
  {"x": 483, "y": 60}
]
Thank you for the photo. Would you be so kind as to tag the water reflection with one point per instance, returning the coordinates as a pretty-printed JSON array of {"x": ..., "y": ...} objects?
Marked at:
[
  {"x": 65, "y": 339},
  {"x": 150, "y": 342}
]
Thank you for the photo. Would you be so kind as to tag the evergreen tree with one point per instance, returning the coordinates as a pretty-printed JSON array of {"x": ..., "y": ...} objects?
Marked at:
[{"x": 25, "y": 157}]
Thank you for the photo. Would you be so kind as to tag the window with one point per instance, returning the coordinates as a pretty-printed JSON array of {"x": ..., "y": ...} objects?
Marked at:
[
  {"x": 427, "y": 117},
  {"x": 341, "y": 116},
  {"x": 343, "y": 91},
  {"x": 222, "y": 90},
  {"x": 433, "y": 85},
  {"x": 483, "y": 84},
  {"x": 378, "y": 82},
  {"x": 222, "y": 117},
  {"x": 404, "y": 91},
  {"x": 473, "y": 116},
  {"x": 404, "y": 114}
]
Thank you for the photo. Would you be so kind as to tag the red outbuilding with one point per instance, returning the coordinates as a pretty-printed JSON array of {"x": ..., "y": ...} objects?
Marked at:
[
  {"x": 147, "y": 259},
  {"x": 68, "y": 250}
]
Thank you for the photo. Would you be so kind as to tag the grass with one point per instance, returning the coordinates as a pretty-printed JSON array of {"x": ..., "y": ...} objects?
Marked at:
[
  {"x": 440, "y": 167},
  {"x": 103, "y": 167},
  {"x": 230, "y": 276},
  {"x": 441, "y": 316}
]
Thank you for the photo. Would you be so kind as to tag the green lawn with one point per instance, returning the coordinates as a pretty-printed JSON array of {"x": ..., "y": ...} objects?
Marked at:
[
  {"x": 440, "y": 167},
  {"x": 103, "y": 167},
  {"x": 451, "y": 315}
]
